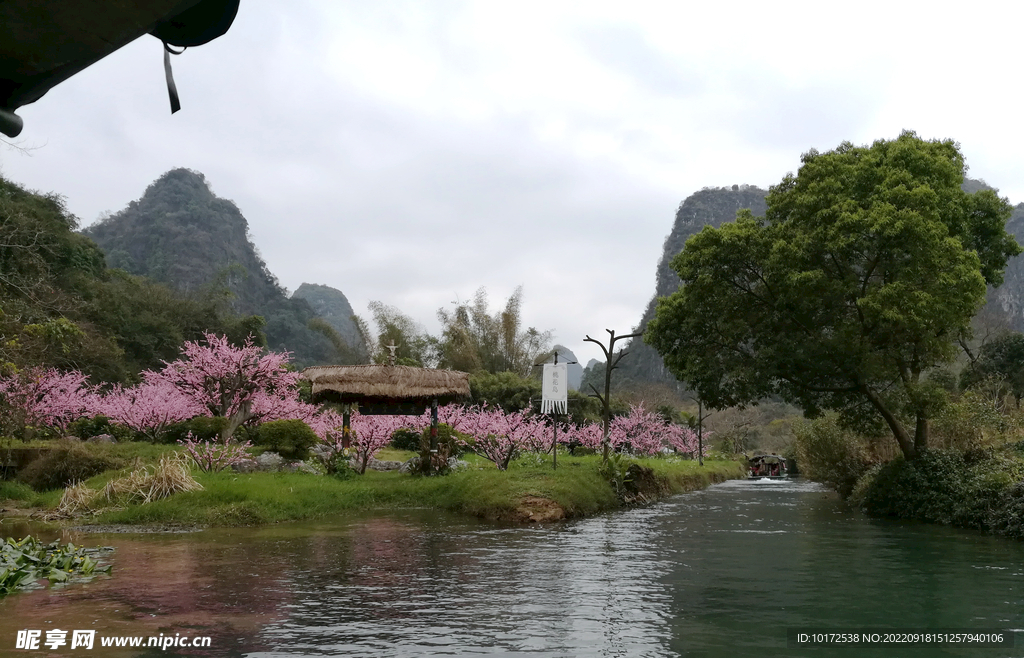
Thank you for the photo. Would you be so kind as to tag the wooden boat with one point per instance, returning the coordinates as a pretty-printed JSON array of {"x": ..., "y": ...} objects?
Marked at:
[{"x": 772, "y": 467}]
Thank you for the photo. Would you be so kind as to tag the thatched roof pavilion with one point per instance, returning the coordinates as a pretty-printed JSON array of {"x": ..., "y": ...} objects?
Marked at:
[{"x": 374, "y": 386}]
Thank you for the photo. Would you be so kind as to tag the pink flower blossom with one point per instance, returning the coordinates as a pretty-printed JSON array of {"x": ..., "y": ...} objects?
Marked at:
[
  {"x": 227, "y": 380},
  {"x": 47, "y": 398},
  {"x": 147, "y": 408},
  {"x": 214, "y": 456}
]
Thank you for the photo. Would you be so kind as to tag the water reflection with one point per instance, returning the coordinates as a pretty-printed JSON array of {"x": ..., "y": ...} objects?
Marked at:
[{"x": 721, "y": 572}]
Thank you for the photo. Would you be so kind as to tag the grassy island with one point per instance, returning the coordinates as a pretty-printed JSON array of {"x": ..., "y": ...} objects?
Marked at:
[{"x": 529, "y": 491}]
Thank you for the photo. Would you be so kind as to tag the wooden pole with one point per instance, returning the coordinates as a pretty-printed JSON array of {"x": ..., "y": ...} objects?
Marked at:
[
  {"x": 346, "y": 426},
  {"x": 433, "y": 433},
  {"x": 554, "y": 427}
]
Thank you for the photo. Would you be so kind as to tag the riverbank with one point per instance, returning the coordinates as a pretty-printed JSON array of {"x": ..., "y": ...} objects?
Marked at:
[
  {"x": 530, "y": 491},
  {"x": 981, "y": 489}
]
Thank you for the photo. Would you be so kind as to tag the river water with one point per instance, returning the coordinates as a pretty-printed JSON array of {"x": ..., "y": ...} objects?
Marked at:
[{"x": 720, "y": 572}]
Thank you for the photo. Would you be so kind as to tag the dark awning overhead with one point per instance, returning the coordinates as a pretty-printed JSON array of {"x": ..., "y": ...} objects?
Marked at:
[{"x": 44, "y": 42}]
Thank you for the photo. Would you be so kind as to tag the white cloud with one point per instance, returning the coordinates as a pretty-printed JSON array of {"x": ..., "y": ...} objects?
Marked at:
[{"x": 409, "y": 152}]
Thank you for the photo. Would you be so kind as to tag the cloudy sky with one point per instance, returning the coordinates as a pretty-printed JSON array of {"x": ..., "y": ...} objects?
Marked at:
[{"x": 412, "y": 152}]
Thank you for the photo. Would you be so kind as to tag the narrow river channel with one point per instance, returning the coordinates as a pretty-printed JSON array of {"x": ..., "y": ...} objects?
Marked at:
[{"x": 720, "y": 572}]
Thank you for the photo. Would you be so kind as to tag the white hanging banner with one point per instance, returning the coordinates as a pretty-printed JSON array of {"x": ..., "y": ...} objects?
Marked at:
[{"x": 555, "y": 389}]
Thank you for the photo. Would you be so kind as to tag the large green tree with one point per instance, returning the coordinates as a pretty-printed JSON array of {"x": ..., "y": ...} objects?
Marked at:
[{"x": 864, "y": 272}]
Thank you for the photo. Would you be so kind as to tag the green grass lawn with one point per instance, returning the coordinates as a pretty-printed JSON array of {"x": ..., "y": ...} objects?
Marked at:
[
  {"x": 230, "y": 499},
  {"x": 256, "y": 498}
]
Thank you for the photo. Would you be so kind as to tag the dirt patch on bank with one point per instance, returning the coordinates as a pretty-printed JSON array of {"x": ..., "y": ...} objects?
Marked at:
[{"x": 531, "y": 509}]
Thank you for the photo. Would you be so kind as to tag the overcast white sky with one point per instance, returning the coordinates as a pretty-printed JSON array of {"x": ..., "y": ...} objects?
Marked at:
[{"x": 411, "y": 152}]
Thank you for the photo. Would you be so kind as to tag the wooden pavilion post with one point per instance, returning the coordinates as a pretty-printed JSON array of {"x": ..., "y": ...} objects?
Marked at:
[
  {"x": 433, "y": 433},
  {"x": 346, "y": 426}
]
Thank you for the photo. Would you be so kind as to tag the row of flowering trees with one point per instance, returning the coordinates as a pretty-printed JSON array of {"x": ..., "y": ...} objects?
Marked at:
[
  {"x": 499, "y": 436},
  {"x": 250, "y": 387}
]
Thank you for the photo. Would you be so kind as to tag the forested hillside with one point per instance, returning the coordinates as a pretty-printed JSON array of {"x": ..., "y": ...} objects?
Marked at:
[
  {"x": 60, "y": 306},
  {"x": 181, "y": 234}
]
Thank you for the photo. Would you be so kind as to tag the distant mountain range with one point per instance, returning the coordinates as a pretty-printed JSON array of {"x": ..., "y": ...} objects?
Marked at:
[{"x": 181, "y": 234}]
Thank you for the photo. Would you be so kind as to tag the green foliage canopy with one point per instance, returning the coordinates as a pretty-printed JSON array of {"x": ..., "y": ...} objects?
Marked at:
[{"x": 867, "y": 267}]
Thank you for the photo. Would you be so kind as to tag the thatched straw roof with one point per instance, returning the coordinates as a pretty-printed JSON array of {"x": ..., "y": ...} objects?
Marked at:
[{"x": 384, "y": 384}]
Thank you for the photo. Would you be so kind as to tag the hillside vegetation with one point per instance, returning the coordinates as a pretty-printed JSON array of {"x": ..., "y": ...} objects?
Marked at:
[{"x": 61, "y": 306}]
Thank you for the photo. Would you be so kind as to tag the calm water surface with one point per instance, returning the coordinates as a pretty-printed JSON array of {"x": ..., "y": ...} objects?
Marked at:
[{"x": 721, "y": 572}]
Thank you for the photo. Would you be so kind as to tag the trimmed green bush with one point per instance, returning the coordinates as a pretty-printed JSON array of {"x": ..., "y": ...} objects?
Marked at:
[
  {"x": 203, "y": 428},
  {"x": 66, "y": 463},
  {"x": 405, "y": 439},
  {"x": 291, "y": 439}
]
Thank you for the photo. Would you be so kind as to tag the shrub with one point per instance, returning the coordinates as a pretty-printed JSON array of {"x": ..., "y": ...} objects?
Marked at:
[
  {"x": 291, "y": 438},
  {"x": 339, "y": 465},
  {"x": 969, "y": 423},
  {"x": 86, "y": 428},
  {"x": 15, "y": 491},
  {"x": 449, "y": 444},
  {"x": 214, "y": 456},
  {"x": 202, "y": 428},
  {"x": 1008, "y": 518},
  {"x": 926, "y": 488},
  {"x": 829, "y": 454},
  {"x": 974, "y": 489},
  {"x": 405, "y": 439},
  {"x": 66, "y": 463}
]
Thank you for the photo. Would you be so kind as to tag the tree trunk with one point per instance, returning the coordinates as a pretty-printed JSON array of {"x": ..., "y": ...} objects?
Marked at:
[
  {"x": 903, "y": 438},
  {"x": 921, "y": 434},
  {"x": 235, "y": 420}
]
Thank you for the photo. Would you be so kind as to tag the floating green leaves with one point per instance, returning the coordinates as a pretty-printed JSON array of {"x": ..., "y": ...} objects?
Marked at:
[{"x": 25, "y": 562}]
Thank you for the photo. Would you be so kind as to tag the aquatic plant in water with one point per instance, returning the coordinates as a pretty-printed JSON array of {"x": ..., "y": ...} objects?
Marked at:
[{"x": 24, "y": 562}]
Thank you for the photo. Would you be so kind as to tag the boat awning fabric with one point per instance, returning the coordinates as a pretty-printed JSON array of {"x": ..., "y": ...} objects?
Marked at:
[{"x": 44, "y": 42}]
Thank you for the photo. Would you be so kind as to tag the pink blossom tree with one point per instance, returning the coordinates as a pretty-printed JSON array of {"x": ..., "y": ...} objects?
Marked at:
[
  {"x": 640, "y": 431},
  {"x": 279, "y": 405},
  {"x": 589, "y": 436},
  {"x": 226, "y": 380},
  {"x": 214, "y": 456},
  {"x": 497, "y": 436},
  {"x": 149, "y": 407},
  {"x": 47, "y": 397},
  {"x": 452, "y": 415},
  {"x": 682, "y": 439},
  {"x": 328, "y": 425},
  {"x": 373, "y": 433}
]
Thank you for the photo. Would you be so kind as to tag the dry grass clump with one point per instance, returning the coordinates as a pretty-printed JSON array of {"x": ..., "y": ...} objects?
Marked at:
[
  {"x": 143, "y": 484},
  {"x": 76, "y": 498},
  {"x": 169, "y": 476}
]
